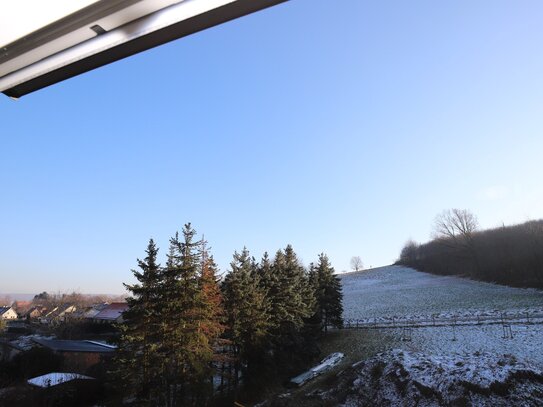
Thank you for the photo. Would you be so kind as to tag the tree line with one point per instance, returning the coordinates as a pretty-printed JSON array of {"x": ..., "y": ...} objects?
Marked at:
[
  {"x": 510, "y": 255},
  {"x": 190, "y": 338}
]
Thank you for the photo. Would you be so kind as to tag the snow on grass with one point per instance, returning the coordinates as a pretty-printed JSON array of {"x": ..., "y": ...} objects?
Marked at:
[
  {"x": 397, "y": 291},
  {"x": 454, "y": 363},
  {"x": 525, "y": 343},
  {"x": 407, "y": 378},
  {"x": 407, "y": 294}
]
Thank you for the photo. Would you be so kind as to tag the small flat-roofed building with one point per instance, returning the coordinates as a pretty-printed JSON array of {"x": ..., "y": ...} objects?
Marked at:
[{"x": 78, "y": 356}]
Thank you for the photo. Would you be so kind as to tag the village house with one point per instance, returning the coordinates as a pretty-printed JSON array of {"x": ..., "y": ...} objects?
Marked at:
[
  {"x": 113, "y": 313},
  {"x": 88, "y": 312},
  {"x": 35, "y": 312},
  {"x": 8, "y": 313},
  {"x": 58, "y": 314}
]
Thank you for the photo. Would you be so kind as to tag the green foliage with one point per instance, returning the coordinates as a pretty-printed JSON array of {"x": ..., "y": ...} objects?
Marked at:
[
  {"x": 247, "y": 308},
  {"x": 329, "y": 297},
  {"x": 180, "y": 324},
  {"x": 187, "y": 345},
  {"x": 173, "y": 322},
  {"x": 272, "y": 309},
  {"x": 138, "y": 362}
]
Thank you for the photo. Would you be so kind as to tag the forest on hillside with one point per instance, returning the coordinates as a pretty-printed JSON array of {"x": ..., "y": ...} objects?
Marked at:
[{"x": 510, "y": 255}]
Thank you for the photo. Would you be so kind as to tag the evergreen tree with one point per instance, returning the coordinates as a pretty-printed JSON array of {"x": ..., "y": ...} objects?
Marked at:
[
  {"x": 213, "y": 313},
  {"x": 172, "y": 327},
  {"x": 247, "y": 312},
  {"x": 137, "y": 357},
  {"x": 329, "y": 297},
  {"x": 293, "y": 297},
  {"x": 292, "y": 301},
  {"x": 187, "y": 331}
]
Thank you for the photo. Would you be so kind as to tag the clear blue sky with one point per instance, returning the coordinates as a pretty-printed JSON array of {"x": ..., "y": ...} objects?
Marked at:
[{"x": 342, "y": 127}]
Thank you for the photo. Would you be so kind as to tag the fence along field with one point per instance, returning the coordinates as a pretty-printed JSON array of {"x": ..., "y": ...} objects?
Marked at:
[{"x": 444, "y": 315}]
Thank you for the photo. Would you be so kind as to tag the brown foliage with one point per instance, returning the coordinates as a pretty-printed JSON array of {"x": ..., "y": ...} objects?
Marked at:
[{"x": 511, "y": 255}]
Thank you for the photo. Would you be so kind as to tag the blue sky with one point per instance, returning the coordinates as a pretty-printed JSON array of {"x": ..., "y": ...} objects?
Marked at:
[{"x": 339, "y": 127}]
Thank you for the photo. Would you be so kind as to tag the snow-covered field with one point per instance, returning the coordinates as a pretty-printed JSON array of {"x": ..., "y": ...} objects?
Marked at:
[
  {"x": 409, "y": 295},
  {"x": 428, "y": 340},
  {"x": 396, "y": 291}
]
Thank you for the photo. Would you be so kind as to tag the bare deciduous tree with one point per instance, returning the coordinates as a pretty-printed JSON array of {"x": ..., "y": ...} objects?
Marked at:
[
  {"x": 356, "y": 263},
  {"x": 456, "y": 225},
  {"x": 5, "y": 300}
]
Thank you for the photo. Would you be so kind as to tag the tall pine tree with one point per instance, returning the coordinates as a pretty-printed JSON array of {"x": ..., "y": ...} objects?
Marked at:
[
  {"x": 187, "y": 329},
  {"x": 137, "y": 359},
  {"x": 247, "y": 310},
  {"x": 328, "y": 293},
  {"x": 293, "y": 297}
]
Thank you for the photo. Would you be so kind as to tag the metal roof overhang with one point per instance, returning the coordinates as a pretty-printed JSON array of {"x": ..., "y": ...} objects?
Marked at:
[{"x": 35, "y": 61}]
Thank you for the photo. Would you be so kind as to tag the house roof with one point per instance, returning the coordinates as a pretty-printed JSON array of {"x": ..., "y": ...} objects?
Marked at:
[
  {"x": 37, "y": 308},
  {"x": 22, "y": 305},
  {"x": 112, "y": 312},
  {"x": 3, "y": 310},
  {"x": 74, "y": 346}
]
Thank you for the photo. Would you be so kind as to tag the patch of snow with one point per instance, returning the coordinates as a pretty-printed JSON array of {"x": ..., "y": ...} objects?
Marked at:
[
  {"x": 326, "y": 364},
  {"x": 405, "y": 378},
  {"x": 54, "y": 379}
]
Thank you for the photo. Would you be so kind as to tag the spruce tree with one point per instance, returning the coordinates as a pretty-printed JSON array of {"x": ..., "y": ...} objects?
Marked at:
[
  {"x": 213, "y": 314},
  {"x": 292, "y": 301},
  {"x": 138, "y": 367},
  {"x": 247, "y": 311},
  {"x": 293, "y": 297},
  {"x": 329, "y": 296},
  {"x": 188, "y": 336}
]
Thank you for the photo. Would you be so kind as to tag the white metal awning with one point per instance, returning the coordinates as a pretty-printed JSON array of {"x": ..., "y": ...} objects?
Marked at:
[{"x": 71, "y": 37}]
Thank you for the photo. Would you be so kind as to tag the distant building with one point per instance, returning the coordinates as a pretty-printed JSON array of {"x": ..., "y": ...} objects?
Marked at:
[
  {"x": 113, "y": 313},
  {"x": 21, "y": 307},
  {"x": 88, "y": 312},
  {"x": 58, "y": 314},
  {"x": 35, "y": 312},
  {"x": 8, "y": 313}
]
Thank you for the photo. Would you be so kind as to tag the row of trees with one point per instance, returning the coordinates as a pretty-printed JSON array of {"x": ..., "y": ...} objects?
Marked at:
[
  {"x": 187, "y": 334},
  {"x": 51, "y": 300},
  {"x": 511, "y": 255}
]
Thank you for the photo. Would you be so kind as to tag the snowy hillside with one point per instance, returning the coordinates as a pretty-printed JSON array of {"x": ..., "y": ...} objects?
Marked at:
[
  {"x": 426, "y": 340},
  {"x": 412, "y": 296},
  {"x": 399, "y": 291}
]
